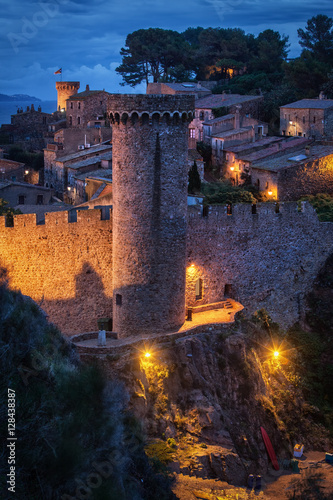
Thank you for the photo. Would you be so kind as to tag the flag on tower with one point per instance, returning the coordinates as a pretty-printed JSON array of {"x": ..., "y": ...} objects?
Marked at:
[{"x": 58, "y": 72}]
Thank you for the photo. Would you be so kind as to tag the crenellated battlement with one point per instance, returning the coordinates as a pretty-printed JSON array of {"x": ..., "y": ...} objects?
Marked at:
[
  {"x": 128, "y": 109},
  {"x": 244, "y": 212},
  {"x": 52, "y": 219}
]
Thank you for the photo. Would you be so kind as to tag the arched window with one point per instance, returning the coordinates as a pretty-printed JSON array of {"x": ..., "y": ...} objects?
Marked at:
[{"x": 198, "y": 289}]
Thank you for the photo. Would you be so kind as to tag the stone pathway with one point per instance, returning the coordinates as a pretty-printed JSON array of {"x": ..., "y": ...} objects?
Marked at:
[{"x": 201, "y": 322}]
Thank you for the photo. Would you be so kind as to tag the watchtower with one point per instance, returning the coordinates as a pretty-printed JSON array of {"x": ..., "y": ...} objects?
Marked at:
[
  {"x": 65, "y": 91},
  {"x": 150, "y": 177}
]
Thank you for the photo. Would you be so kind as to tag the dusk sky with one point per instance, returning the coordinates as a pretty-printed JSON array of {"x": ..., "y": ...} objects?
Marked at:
[{"x": 84, "y": 37}]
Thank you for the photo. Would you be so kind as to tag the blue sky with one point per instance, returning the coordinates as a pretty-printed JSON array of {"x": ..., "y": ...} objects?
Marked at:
[{"x": 84, "y": 37}]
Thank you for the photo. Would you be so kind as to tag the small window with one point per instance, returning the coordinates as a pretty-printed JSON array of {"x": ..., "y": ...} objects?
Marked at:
[
  {"x": 198, "y": 289},
  {"x": 201, "y": 115},
  {"x": 79, "y": 105},
  {"x": 13, "y": 177},
  {"x": 314, "y": 119},
  {"x": 71, "y": 105},
  {"x": 78, "y": 120},
  {"x": 40, "y": 199},
  {"x": 300, "y": 134},
  {"x": 101, "y": 102},
  {"x": 119, "y": 299},
  {"x": 192, "y": 133},
  {"x": 254, "y": 208},
  {"x": 21, "y": 199},
  {"x": 71, "y": 120},
  {"x": 205, "y": 210},
  {"x": 228, "y": 291},
  {"x": 283, "y": 132}
]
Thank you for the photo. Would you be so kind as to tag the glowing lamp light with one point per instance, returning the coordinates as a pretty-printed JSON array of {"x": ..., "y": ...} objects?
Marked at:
[
  {"x": 147, "y": 354},
  {"x": 276, "y": 354},
  {"x": 68, "y": 188},
  {"x": 26, "y": 172},
  {"x": 270, "y": 193},
  {"x": 232, "y": 169},
  {"x": 290, "y": 123}
]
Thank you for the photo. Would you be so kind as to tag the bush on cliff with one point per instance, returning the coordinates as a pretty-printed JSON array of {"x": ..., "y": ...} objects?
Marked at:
[{"x": 73, "y": 432}]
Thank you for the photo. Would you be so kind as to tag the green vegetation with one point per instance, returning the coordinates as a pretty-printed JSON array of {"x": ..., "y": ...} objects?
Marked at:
[
  {"x": 224, "y": 193},
  {"x": 70, "y": 422},
  {"x": 194, "y": 181},
  {"x": 33, "y": 160},
  {"x": 323, "y": 204},
  {"x": 241, "y": 63}
]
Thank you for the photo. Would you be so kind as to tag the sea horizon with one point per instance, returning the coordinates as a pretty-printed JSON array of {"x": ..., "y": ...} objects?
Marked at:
[{"x": 8, "y": 108}]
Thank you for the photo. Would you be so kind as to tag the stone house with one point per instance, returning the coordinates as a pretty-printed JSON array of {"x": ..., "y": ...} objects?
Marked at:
[
  {"x": 22, "y": 193},
  {"x": 88, "y": 107},
  {"x": 241, "y": 159},
  {"x": 304, "y": 171},
  {"x": 247, "y": 105},
  {"x": 97, "y": 167},
  {"x": 307, "y": 118},
  {"x": 56, "y": 167},
  {"x": 12, "y": 170}
]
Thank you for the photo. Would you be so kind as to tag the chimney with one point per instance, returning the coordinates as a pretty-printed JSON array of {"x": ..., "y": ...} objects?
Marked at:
[{"x": 87, "y": 88}]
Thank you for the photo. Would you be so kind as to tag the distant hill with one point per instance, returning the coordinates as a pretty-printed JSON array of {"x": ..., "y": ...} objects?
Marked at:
[{"x": 18, "y": 97}]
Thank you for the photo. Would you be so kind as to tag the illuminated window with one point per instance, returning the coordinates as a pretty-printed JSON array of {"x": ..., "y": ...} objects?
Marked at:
[
  {"x": 192, "y": 133},
  {"x": 198, "y": 289}
]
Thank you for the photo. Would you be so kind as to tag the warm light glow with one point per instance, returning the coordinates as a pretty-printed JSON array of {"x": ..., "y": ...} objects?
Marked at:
[
  {"x": 276, "y": 354},
  {"x": 68, "y": 188},
  {"x": 192, "y": 265},
  {"x": 26, "y": 172},
  {"x": 232, "y": 168},
  {"x": 270, "y": 193},
  {"x": 147, "y": 354}
]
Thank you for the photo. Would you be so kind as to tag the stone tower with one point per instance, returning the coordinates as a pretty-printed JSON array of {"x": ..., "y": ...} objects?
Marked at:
[
  {"x": 150, "y": 176},
  {"x": 65, "y": 91}
]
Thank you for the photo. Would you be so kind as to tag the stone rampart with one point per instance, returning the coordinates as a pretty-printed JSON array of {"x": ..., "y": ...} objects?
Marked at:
[
  {"x": 264, "y": 259},
  {"x": 64, "y": 266}
]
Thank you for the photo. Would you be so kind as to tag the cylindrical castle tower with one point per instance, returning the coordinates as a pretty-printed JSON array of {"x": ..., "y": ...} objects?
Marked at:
[
  {"x": 150, "y": 177},
  {"x": 65, "y": 90}
]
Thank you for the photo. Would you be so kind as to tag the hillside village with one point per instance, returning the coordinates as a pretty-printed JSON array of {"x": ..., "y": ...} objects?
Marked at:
[
  {"x": 167, "y": 241},
  {"x": 76, "y": 142}
]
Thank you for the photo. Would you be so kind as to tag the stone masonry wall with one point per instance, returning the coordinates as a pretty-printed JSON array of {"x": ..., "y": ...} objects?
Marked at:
[
  {"x": 65, "y": 267},
  {"x": 311, "y": 177},
  {"x": 267, "y": 260}
]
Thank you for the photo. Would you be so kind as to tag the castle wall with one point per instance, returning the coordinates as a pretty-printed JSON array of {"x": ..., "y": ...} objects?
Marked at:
[
  {"x": 309, "y": 177},
  {"x": 267, "y": 260},
  {"x": 65, "y": 267}
]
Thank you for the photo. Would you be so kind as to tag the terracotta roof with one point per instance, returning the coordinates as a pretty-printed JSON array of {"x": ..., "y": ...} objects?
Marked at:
[
  {"x": 250, "y": 145},
  {"x": 287, "y": 160},
  {"x": 94, "y": 149},
  {"x": 310, "y": 104}
]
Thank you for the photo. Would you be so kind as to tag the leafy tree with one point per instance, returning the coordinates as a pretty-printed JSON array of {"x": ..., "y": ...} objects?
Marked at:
[
  {"x": 162, "y": 55},
  {"x": 318, "y": 37},
  {"x": 307, "y": 73},
  {"x": 270, "y": 52},
  {"x": 194, "y": 181}
]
